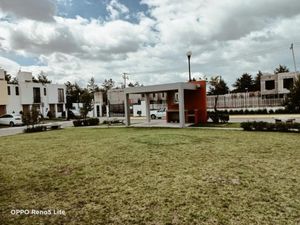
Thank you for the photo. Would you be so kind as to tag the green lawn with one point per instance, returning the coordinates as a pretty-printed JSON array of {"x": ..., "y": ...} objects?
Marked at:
[{"x": 151, "y": 176}]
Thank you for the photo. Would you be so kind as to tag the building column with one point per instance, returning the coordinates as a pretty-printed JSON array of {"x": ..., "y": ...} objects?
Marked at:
[
  {"x": 147, "y": 103},
  {"x": 181, "y": 107},
  {"x": 127, "y": 110}
]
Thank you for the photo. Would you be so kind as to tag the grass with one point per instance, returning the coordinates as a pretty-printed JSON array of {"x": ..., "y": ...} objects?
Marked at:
[
  {"x": 225, "y": 125},
  {"x": 151, "y": 176}
]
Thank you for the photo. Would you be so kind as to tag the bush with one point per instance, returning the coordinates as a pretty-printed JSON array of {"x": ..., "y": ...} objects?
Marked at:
[
  {"x": 86, "y": 122},
  {"x": 218, "y": 116},
  {"x": 35, "y": 129},
  {"x": 264, "y": 126}
]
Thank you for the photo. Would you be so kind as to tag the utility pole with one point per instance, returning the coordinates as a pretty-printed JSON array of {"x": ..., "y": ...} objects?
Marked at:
[
  {"x": 292, "y": 48},
  {"x": 125, "y": 77}
]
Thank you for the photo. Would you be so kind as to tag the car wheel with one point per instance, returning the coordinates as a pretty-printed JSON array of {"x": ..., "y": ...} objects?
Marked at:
[
  {"x": 11, "y": 124},
  {"x": 153, "y": 116}
]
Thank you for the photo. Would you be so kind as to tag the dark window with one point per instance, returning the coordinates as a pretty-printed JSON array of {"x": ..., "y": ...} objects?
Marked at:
[
  {"x": 17, "y": 90},
  {"x": 270, "y": 84},
  {"x": 8, "y": 90},
  {"x": 6, "y": 116},
  {"x": 163, "y": 94},
  {"x": 61, "y": 96},
  {"x": 153, "y": 95},
  {"x": 143, "y": 95},
  {"x": 288, "y": 83},
  {"x": 45, "y": 91},
  {"x": 36, "y": 95},
  {"x": 60, "y": 108}
]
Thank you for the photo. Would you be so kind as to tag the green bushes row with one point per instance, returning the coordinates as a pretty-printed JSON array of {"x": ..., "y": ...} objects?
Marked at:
[
  {"x": 264, "y": 126},
  {"x": 86, "y": 122},
  {"x": 259, "y": 111}
]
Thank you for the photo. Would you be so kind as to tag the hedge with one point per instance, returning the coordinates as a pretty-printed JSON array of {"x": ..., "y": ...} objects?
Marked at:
[
  {"x": 86, "y": 122},
  {"x": 264, "y": 126}
]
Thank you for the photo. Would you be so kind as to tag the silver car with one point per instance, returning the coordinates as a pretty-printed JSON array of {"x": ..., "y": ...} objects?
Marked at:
[{"x": 11, "y": 120}]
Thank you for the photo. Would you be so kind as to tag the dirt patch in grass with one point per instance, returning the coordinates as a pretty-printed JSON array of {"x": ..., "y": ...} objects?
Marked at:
[{"x": 151, "y": 176}]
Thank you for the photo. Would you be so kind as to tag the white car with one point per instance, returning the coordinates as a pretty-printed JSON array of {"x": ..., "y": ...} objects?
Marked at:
[
  {"x": 11, "y": 120},
  {"x": 158, "y": 114}
]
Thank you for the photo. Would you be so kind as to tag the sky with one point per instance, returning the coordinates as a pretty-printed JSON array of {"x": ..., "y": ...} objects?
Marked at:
[{"x": 74, "y": 40}]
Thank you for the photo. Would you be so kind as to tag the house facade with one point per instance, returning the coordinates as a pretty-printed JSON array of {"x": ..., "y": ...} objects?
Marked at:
[
  {"x": 3, "y": 92},
  {"x": 25, "y": 95}
]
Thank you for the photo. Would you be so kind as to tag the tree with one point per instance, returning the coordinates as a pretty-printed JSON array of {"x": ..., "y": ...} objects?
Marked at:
[
  {"x": 217, "y": 87},
  {"x": 42, "y": 78},
  {"x": 73, "y": 92},
  {"x": 281, "y": 69},
  {"x": 244, "y": 83},
  {"x": 86, "y": 98},
  {"x": 31, "y": 117},
  {"x": 108, "y": 84},
  {"x": 92, "y": 86},
  {"x": 257, "y": 81},
  {"x": 136, "y": 84},
  {"x": 7, "y": 77},
  {"x": 292, "y": 103}
]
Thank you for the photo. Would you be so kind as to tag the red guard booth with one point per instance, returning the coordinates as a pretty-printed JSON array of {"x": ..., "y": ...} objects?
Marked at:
[{"x": 194, "y": 104}]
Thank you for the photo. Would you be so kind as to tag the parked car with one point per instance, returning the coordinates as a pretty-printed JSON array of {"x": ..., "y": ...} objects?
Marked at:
[
  {"x": 11, "y": 120},
  {"x": 158, "y": 114}
]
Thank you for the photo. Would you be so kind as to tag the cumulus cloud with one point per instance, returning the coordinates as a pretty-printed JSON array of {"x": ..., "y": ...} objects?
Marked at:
[
  {"x": 116, "y": 9},
  {"x": 226, "y": 37},
  {"x": 41, "y": 10}
]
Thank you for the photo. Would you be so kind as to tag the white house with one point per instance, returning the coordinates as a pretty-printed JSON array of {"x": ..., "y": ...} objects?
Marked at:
[{"x": 26, "y": 94}]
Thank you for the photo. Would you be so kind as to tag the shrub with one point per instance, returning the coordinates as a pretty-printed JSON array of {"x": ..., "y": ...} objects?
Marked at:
[
  {"x": 264, "y": 126},
  {"x": 35, "y": 129},
  {"x": 86, "y": 122},
  {"x": 218, "y": 116}
]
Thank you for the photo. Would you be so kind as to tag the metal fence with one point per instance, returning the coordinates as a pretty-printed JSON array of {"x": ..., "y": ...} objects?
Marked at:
[{"x": 242, "y": 100}]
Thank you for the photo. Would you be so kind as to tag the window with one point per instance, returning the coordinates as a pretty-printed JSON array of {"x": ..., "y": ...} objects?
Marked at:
[
  {"x": 60, "y": 108},
  {"x": 8, "y": 90},
  {"x": 36, "y": 95},
  {"x": 6, "y": 116},
  {"x": 270, "y": 84},
  {"x": 61, "y": 96},
  {"x": 45, "y": 91},
  {"x": 153, "y": 95},
  {"x": 17, "y": 90},
  {"x": 288, "y": 83},
  {"x": 163, "y": 94}
]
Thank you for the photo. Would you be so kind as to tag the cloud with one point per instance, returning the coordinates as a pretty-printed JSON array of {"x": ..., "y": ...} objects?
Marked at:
[
  {"x": 116, "y": 9},
  {"x": 41, "y": 10},
  {"x": 226, "y": 37}
]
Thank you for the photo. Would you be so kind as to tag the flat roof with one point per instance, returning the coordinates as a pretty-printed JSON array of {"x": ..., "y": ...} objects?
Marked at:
[{"x": 161, "y": 88}]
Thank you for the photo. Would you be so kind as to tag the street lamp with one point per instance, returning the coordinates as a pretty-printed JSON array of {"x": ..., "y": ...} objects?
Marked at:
[{"x": 189, "y": 54}]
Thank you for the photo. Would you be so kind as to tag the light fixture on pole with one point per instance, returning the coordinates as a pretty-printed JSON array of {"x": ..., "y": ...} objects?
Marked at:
[{"x": 189, "y": 54}]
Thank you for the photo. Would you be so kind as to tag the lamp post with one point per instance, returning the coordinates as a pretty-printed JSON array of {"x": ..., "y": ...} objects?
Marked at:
[{"x": 189, "y": 54}]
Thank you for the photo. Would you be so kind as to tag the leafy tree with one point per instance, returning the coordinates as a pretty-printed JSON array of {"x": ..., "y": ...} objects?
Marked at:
[
  {"x": 42, "y": 78},
  {"x": 86, "y": 98},
  {"x": 108, "y": 84},
  {"x": 244, "y": 83},
  {"x": 34, "y": 80},
  {"x": 92, "y": 86},
  {"x": 217, "y": 87},
  {"x": 293, "y": 101},
  {"x": 136, "y": 84},
  {"x": 73, "y": 92},
  {"x": 257, "y": 81},
  {"x": 7, "y": 77},
  {"x": 281, "y": 69},
  {"x": 31, "y": 117}
]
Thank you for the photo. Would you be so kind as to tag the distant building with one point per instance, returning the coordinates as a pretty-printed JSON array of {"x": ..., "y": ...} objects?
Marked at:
[
  {"x": 277, "y": 85},
  {"x": 21, "y": 97}
]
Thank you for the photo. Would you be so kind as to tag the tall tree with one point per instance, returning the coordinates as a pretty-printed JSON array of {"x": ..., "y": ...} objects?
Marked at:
[
  {"x": 293, "y": 101},
  {"x": 108, "y": 84},
  {"x": 281, "y": 69},
  {"x": 92, "y": 86},
  {"x": 86, "y": 98},
  {"x": 244, "y": 83},
  {"x": 217, "y": 86},
  {"x": 73, "y": 92},
  {"x": 42, "y": 78},
  {"x": 257, "y": 81}
]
